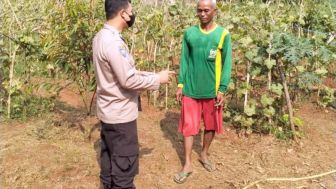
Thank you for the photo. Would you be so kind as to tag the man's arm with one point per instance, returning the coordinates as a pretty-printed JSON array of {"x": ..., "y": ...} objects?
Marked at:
[
  {"x": 226, "y": 64},
  {"x": 183, "y": 67},
  {"x": 183, "y": 61},
  {"x": 144, "y": 73},
  {"x": 126, "y": 74}
]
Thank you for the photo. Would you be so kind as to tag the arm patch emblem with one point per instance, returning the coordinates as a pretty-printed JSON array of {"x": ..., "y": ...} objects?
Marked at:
[{"x": 123, "y": 51}]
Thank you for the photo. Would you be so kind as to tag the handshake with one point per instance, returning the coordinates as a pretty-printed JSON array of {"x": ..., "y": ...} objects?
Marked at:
[{"x": 165, "y": 76}]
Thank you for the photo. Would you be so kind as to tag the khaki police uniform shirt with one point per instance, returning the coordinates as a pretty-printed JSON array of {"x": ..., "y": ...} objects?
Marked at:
[{"x": 117, "y": 79}]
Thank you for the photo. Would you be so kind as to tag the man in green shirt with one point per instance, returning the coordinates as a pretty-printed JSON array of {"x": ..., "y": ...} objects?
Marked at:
[{"x": 205, "y": 72}]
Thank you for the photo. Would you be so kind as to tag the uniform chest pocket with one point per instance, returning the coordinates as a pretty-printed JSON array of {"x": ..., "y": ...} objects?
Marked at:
[{"x": 211, "y": 54}]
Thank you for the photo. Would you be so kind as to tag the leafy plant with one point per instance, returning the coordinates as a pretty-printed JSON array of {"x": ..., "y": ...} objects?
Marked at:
[
  {"x": 327, "y": 96},
  {"x": 282, "y": 50}
]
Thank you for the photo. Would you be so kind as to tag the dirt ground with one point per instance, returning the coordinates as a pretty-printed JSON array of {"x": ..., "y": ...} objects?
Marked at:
[{"x": 61, "y": 150}]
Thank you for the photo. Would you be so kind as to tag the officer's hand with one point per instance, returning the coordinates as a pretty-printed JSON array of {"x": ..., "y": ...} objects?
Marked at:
[
  {"x": 165, "y": 75},
  {"x": 179, "y": 94}
]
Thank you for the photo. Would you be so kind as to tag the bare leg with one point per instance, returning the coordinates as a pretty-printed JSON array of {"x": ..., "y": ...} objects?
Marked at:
[
  {"x": 188, "y": 143},
  {"x": 207, "y": 139}
]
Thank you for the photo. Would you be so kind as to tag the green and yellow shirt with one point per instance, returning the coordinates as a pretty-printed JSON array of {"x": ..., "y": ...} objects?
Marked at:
[{"x": 200, "y": 76}]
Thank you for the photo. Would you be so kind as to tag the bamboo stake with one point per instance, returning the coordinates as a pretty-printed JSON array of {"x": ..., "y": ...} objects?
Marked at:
[
  {"x": 146, "y": 47},
  {"x": 154, "y": 57},
  {"x": 92, "y": 6},
  {"x": 301, "y": 10},
  {"x": 155, "y": 51},
  {"x": 166, "y": 98},
  {"x": 331, "y": 10},
  {"x": 247, "y": 82},
  {"x": 270, "y": 120},
  {"x": 133, "y": 42},
  {"x": 145, "y": 35},
  {"x": 270, "y": 46},
  {"x": 236, "y": 82},
  {"x": 145, "y": 43},
  {"x": 170, "y": 50},
  {"x": 269, "y": 58},
  {"x": 230, "y": 7}
]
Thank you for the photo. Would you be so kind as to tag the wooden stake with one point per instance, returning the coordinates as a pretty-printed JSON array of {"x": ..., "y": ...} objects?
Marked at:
[
  {"x": 170, "y": 50},
  {"x": 133, "y": 43},
  {"x": 154, "y": 57},
  {"x": 247, "y": 82},
  {"x": 269, "y": 58}
]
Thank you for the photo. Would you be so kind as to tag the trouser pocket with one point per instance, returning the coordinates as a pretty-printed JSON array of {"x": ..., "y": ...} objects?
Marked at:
[{"x": 125, "y": 165}]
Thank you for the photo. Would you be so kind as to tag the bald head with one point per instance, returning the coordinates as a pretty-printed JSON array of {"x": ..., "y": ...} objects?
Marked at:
[{"x": 213, "y": 3}]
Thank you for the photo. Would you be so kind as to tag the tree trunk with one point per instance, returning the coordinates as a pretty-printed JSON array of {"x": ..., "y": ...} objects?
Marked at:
[
  {"x": 288, "y": 100},
  {"x": 11, "y": 77}
]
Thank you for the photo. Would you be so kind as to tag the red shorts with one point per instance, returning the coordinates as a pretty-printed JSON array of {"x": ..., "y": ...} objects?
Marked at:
[{"x": 191, "y": 114}]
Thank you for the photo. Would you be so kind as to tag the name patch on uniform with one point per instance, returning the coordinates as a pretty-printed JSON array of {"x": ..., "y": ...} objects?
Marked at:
[{"x": 212, "y": 54}]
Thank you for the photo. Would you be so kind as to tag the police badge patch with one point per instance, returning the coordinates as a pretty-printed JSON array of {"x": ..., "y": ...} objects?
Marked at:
[{"x": 123, "y": 51}]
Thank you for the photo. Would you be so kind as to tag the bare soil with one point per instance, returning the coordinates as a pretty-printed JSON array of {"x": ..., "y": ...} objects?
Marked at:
[{"x": 61, "y": 150}]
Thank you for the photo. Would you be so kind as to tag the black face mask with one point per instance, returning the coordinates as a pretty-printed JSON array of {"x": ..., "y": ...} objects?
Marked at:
[{"x": 131, "y": 21}]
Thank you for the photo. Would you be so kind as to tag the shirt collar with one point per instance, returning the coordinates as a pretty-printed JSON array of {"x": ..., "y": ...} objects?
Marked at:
[
  {"x": 207, "y": 32},
  {"x": 111, "y": 28}
]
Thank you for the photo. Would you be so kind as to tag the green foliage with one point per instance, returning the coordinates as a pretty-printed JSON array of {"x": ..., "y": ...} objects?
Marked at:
[
  {"x": 269, "y": 112},
  {"x": 25, "y": 107},
  {"x": 291, "y": 48},
  {"x": 21, "y": 49},
  {"x": 250, "y": 109},
  {"x": 68, "y": 43},
  {"x": 327, "y": 96},
  {"x": 281, "y": 133},
  {"x": 308, "y": 80},
  {"x": 277, "y": 89},
  {"x": 264, "y": 32},
  {"x": 266, "y": 100},
  {"x": 270, "y": 63},
  {"x": 55, "y": 42}
]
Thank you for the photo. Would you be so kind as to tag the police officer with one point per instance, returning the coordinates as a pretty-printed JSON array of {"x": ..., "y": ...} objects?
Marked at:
[{"x": 117, "y": 98}]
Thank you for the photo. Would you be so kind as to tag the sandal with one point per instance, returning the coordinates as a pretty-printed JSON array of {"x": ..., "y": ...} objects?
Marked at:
[
  {"x": 209, "y": 166},
  {"x": 181, "y": 177}
]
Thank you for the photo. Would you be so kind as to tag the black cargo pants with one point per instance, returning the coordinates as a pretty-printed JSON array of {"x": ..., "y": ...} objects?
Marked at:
[{"x": 119, "y": 155}]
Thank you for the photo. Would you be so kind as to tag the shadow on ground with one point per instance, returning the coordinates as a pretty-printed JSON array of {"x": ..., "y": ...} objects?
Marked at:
[{"x": 169, "y": 126}]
